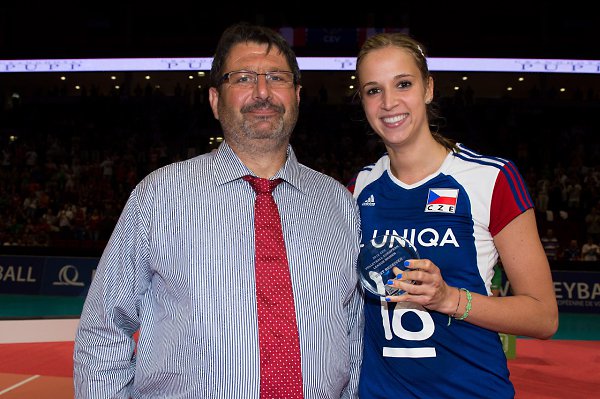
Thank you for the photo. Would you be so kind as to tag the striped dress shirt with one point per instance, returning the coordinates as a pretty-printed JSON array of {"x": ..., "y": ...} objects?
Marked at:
[{"x": 179, "y": 270}]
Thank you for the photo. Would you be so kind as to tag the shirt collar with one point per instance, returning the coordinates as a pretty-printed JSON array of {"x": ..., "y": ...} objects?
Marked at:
[{"x": 228, "y": 167}]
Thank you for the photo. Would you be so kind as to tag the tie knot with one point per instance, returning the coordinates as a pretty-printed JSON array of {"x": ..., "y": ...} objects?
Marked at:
[{"x": 260, "y": 185}]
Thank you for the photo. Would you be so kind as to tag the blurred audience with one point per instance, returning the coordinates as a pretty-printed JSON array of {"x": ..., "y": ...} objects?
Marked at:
[
  {"x": 551, "y": 245},
  {"x": 68, "y": 162},
  {"x": 590, "y": 251},
  {"x": 572, "y": 252}
]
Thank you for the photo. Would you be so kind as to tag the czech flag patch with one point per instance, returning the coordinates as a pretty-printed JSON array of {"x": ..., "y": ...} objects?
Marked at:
[{"x": 442, "y": 200}]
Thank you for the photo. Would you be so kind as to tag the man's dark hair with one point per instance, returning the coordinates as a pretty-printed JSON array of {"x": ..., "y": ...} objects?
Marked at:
[{"x": 244, "y": 33}]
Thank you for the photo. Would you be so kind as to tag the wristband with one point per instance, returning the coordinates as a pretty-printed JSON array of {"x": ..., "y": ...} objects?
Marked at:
[
  {"x": 468, "y": 307},
  {"x": 455, "y": 310}
]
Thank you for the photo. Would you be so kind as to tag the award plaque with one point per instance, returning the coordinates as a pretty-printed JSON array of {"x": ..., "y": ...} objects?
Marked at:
[{"x": 381, "y": 259}]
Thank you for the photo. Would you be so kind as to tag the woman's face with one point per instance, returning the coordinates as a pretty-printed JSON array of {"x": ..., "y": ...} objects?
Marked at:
[{"x": 394, "y": 96}]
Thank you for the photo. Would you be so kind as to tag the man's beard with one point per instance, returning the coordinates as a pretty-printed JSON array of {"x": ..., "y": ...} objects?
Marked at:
[{"x": 277, "y": 130}]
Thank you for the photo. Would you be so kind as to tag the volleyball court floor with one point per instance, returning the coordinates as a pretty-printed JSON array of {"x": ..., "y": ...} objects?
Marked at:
[{"x": 36, "y": 349}]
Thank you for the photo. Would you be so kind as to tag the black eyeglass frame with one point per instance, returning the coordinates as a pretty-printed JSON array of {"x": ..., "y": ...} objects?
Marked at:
[{"x": 265, "y": 74}]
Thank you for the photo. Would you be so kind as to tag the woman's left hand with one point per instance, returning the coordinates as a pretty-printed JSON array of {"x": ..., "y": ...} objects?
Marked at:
[{"x": 423, "y": 284}]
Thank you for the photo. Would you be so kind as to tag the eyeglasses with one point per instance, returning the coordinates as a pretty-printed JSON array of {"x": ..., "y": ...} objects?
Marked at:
[{"x": 248, "y": 79}]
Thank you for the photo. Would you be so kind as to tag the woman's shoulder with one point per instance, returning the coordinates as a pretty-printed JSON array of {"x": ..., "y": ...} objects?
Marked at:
[{"x": 476, "y": 157}]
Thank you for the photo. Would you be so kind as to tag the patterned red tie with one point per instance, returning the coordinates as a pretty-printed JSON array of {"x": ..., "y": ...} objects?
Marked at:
[{"x": 280, "y": 368}]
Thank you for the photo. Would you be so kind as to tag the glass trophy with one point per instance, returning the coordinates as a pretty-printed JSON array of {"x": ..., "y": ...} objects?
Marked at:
[{"x": 381, "y": 259}]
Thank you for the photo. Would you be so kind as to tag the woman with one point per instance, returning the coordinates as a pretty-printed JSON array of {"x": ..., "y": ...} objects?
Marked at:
[{"x": 462, "y": 211}]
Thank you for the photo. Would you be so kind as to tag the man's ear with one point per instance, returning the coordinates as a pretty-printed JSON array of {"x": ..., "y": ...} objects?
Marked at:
[{"x": 213, "y": 99}]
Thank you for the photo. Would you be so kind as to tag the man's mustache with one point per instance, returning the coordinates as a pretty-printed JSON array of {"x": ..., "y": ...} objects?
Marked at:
[{"x": 266, "y": 104}]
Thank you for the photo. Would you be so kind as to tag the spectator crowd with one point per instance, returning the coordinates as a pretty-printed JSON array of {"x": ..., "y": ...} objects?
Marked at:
[{"x": 69, "y": 162}]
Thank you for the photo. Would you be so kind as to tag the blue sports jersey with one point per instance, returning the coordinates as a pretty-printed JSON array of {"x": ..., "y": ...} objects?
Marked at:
[{"x": 451, "y": 218}]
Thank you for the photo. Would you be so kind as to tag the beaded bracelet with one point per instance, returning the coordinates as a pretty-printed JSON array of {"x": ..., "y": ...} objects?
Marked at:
[
  {"x": 455, "y": 310},
  {"x": 468, "y": 307}
]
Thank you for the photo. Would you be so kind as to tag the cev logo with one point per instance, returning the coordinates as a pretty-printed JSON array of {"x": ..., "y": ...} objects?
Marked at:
[{"x": 68, "y": 275}]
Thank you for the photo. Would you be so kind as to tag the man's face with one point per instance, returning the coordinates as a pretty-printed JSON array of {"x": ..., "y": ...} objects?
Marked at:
[{"x": 260, "y": 115}]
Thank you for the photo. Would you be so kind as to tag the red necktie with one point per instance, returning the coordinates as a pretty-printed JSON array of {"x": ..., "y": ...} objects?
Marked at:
[{"x": 280, "y": 368}]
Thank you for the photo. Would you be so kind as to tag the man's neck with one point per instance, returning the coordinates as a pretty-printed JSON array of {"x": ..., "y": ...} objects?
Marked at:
[{"x": 264, "y": 161}]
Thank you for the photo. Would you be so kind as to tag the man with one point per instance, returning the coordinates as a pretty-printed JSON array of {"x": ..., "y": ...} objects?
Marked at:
[
  {"x": 551, "y": 245},
  {"x": 180, "y": 265}
]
